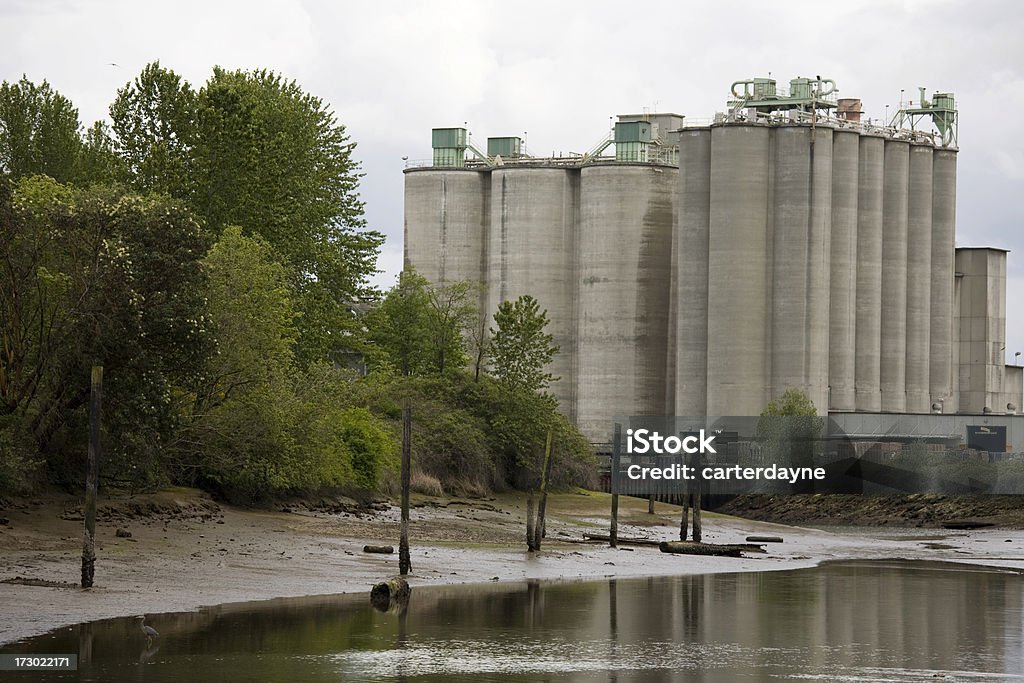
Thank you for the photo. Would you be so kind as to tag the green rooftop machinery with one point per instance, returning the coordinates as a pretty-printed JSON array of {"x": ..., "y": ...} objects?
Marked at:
[
  {"x": 632, "y": 140},
  {"x": 805, "y": 94},
  {"x": 449, "y": 147},
  {"x": 941, "y": 110},
  {"x": 506, "y": 148}
]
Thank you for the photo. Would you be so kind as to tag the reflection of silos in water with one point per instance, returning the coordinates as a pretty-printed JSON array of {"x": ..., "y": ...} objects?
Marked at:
[
  {"x": 943, "y": 247},
  {"x": 843, "y": 278},
  {"x": 919, "y": 278},
  {"x": 869, "y": 274},
  {"x": 738, "y": 261},
  {"x": 894, "y": 277},
  {"x": 445, "y": 221},
  {"x": 690, "y": 246},
  {"x": 531, "y": 248},
  {"x": 625, "y": 257}
]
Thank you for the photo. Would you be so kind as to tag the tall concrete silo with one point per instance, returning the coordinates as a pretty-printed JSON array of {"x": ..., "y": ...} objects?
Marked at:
[
  {"x": 446, "y": 214},
  {"x": 941, "y": 353},
  {"x": 894, "y": 276},
  {"x": 531, "y": 250},
  {"x": 790, "y": 312},
  {"x": 919, "y": 279},
  {"x": 801, "y": 220},
  {"x": 739, "y": 275},
  {"x": 869, "y": 274},
  {"x": 819, "y": 267},
  {"x": 690, "y": 256},
  {"x": 625, "y": 257},
  {"x": 843, "y": 278}
]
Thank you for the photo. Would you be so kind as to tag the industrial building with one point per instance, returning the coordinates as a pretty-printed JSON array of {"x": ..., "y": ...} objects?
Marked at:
[{"x": 706, "y": 267}]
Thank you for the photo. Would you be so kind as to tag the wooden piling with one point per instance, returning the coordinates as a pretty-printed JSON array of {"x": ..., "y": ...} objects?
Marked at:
[{"x": 92, "y": 478}]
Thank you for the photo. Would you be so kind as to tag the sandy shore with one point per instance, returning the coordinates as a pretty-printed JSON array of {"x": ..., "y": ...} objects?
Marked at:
[{"x": 186, "y": 552}]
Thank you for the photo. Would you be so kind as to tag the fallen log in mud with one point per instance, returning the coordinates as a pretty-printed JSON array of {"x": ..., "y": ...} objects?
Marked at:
[
  {"x": 691, "y": 548},
  {"x": 379, "y": 549},
  {"x": 622, "y": 540},
  {"x": 764, "y": 539}
]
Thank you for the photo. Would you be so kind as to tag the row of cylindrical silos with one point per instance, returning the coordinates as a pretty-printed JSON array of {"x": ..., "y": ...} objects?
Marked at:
[
  {"x": 829, "y": 268},
  {"x": 593, "y": 244},
  {"x": 774, "y": 257}
]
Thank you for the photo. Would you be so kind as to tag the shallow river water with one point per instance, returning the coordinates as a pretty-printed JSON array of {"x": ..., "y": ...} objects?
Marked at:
[{"x": 849, "y": 621}]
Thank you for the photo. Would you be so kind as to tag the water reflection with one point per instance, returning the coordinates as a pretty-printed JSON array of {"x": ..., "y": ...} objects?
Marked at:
[{"x": 855, "y": 621}]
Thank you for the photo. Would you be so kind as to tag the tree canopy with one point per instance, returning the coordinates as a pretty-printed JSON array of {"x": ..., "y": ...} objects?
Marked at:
[
  {"x": 39, "y": 132},
  {"x": 208, "y": 248}
]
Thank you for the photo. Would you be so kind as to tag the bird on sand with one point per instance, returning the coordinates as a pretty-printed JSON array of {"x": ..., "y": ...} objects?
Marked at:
[{"x": 147, "y": 631}]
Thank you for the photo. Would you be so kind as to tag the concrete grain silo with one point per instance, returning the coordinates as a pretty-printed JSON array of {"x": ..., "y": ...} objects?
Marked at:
[
  {"x": 919, "y": 279},
  {"x": 445, "y": 223},
  {"x": 869, "y": 274},
  {"x": 942, "y": 353},
  {"x": 690, "y": 244},
  {"x": 625, "y": 257},
  {"x": 801, "y": 226},
  {"x": 739, "y": 273},
  {"x": 532, "y": 250},
  {"x": 893, "y": 381},
  {"x": 843, "y": 266}
]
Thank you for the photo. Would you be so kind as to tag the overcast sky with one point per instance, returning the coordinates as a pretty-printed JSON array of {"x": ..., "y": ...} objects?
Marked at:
[{"x": 558, "y": 70}]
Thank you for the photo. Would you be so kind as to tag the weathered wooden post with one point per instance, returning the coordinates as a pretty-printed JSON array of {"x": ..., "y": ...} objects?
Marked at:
[
  {"x": 684, "y": 520},
  {"x": 404, "y": 562},
  {"x": 650, "y": 504},
  {"x": 613, "y": 536},
  {"x": 542, "y": 505},
  {"x": 530, "y": 526},
  {"x": 696, "y": 499},
  {"x": 92, "y": 478}
]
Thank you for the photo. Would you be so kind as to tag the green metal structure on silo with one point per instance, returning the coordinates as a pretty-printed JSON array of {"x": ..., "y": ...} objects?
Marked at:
[
  {"x": 632, "y": 140},
  {"x": 506, "y": 148},
  {"x": 449, "y": 147}
]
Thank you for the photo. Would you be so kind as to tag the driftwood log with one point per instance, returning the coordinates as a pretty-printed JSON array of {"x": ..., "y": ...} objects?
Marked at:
[
  {"x": 390, "y": 594},
  {"x": 379, "y": 549},
  {"x": 691, "y": 548},
  {"x": 623, "y": 540},
  {"x": 764, "y": 539}
]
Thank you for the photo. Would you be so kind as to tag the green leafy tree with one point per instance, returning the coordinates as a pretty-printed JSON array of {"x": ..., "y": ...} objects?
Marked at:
[
  {"x": 520, "y": 348},
  {"x": 419, "y": 328},
  {"x": 98, "y": 161},
  {"x": 238, "y": 421},
  {"x": 39, "y": 131},
  {"x": 251, "y": 305},
  {"x": 790, "y": 428},
  {"x": 792, "y": 403},
  {"x": 273, "y": 159},
  {"x": 453, "y": 316},
  {"x": 98, "y": 276},
  {"x": 399, "y": 327},
  {"x": 154, "y": 124},
  {"x": 252, "y": 149}
]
